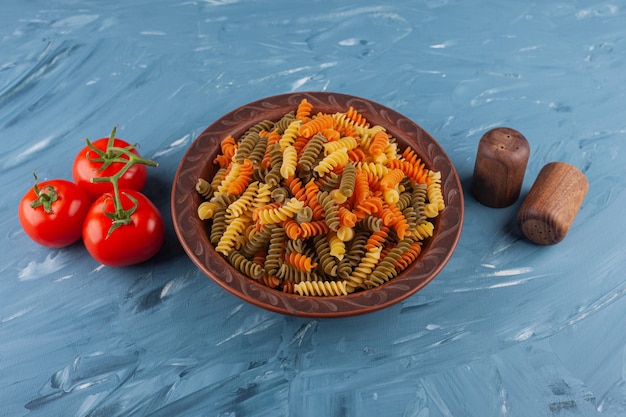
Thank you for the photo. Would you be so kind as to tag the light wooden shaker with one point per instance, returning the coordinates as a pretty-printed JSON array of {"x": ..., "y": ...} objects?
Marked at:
[
  {"x": 552, "y": 203},
  {"x": 500, "y": 166}
]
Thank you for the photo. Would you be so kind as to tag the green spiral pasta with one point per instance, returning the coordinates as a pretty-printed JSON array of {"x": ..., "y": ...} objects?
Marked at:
[
  {"x": 257, "y": 153},
  {"x": 246, "y": 146},
  {"x": 312, "y": 150},
  {"x": 326, "y": 264},
  {"x": 410, "y": 215},
  {"x": 359, "y": 275},
  {"x": 280, "y": 194},
  {"x": 329, "y": 182},
  {"x": 283, "y": 123},
  {"x": 419, "y": 202},
  {"x": 203, "y": 187},
  {"x": 245, "y": 266},
  {"x": 289, "y": 273},
  {"x": 276, "y": 160},
  {"x": 257, "y": 241},
  {"x": 348, "y": 178},
  {"x": 277, "y": 242},
  {"x": 404, "y": 200},
  {"x": 219, "y": 225},
  {"x": 331, "y": 211},
  {"x": 385, "y": 269},
  {"x": 304, "y": 215},
  {"x": 355, "y": 250},
  {"x": 371, "y": 223}
]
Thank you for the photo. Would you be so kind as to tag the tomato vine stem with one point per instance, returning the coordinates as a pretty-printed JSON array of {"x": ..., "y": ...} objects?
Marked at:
[
  {"x": 111, "y": 154},
  {"x": 45, "y": 196}
]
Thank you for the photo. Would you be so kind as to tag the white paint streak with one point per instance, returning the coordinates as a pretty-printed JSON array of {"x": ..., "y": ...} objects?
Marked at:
[
  {"x": 172, "y": 146},
  {"x": 513, "y": 271},
  {"x": 299, "y": 83},
  {"x": 51, "y": 264},
  {"x": 525, "y": 334},
  {"x": 16, "y": 315}
]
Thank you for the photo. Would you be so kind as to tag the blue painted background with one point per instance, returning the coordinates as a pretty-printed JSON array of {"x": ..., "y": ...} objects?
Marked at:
[{"x": 507, "y": 329}]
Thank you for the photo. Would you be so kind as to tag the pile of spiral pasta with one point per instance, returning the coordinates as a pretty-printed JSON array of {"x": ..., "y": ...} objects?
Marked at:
[{"x": 319, "y": 204}]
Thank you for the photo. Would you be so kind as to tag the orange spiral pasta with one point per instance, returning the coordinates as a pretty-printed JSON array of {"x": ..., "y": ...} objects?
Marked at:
[
  {"x": 392, "y": 216},
  {"x": 414, "y": 170},
  {"x": 331, "y": 134},
  {"x": 272, "y": 139},
  {"x": 300, "y": 261},
  {"x": 303, "y": 111},
  {"x": 312, "y": 190},
  {"x": 316, "y": 125},
  {"x": 369, "y": 206},
  {"x": 296, "y": 188},
  {"x": 407, "y": 258},
  {"x": 319, "y": 204},
  {"x": 391, "y": 178},
  {"x": 314, "y": 228},
  {"x": 376, "y": 239},
  {"x": 346, "y": 217},
  {"x": 356, "y": 155},
  {"x": 240, "y": 183},
  {"x": 292, "y": 229},
  {"x": 356, "y": 117},
  {"x": 379, "y": 143},
  {"x": 361, "y": 188},
  {"x": 229, "y": 147}
]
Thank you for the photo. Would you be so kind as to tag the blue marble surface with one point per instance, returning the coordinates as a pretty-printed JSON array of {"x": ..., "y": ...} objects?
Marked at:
[{"x": 508, "y": 328}]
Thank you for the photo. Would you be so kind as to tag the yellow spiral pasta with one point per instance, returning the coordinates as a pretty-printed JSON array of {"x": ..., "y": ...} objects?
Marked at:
[
  {"x": 282, "y": 213},
  {"x": 434, "y": 189},
  {"x": 337, "y": 246},
  {"x": 290, "y": 134},
  {"x": 321, "y": 288},
  {"x": 331, "y": 161},
  {"x": 290, "y": 159},
  {"x": 243, "y": 203},
  {"x": 347, "y": 143},
  {"x": 357, "y": 279},
  {"x": 379, "y": 170},
  {"x": 424, "y": 230},
  {"x": 206, "y": 210},
  {"x": 228, "y": 240}
]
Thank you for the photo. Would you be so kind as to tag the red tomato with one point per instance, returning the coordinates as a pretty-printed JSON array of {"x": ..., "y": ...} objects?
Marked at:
[
  {"x": 128, "y": 244},
  {"x": 88, "y": 165},
  {"x": 56, "y": 220}
]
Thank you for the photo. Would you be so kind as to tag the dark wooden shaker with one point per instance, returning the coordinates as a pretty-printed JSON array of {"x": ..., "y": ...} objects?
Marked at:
[
  {"x": 500, "y": 166},
  {"x": 552, "y": 203}
]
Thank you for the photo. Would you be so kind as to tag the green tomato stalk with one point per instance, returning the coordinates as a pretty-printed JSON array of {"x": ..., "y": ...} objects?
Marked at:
[
  {"x": 111, "y": 154},
  {"x": 45, "y": 196}
]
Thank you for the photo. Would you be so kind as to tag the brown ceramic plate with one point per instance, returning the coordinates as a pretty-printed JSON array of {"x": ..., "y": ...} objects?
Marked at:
[{"x": 193, "y": 233}]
